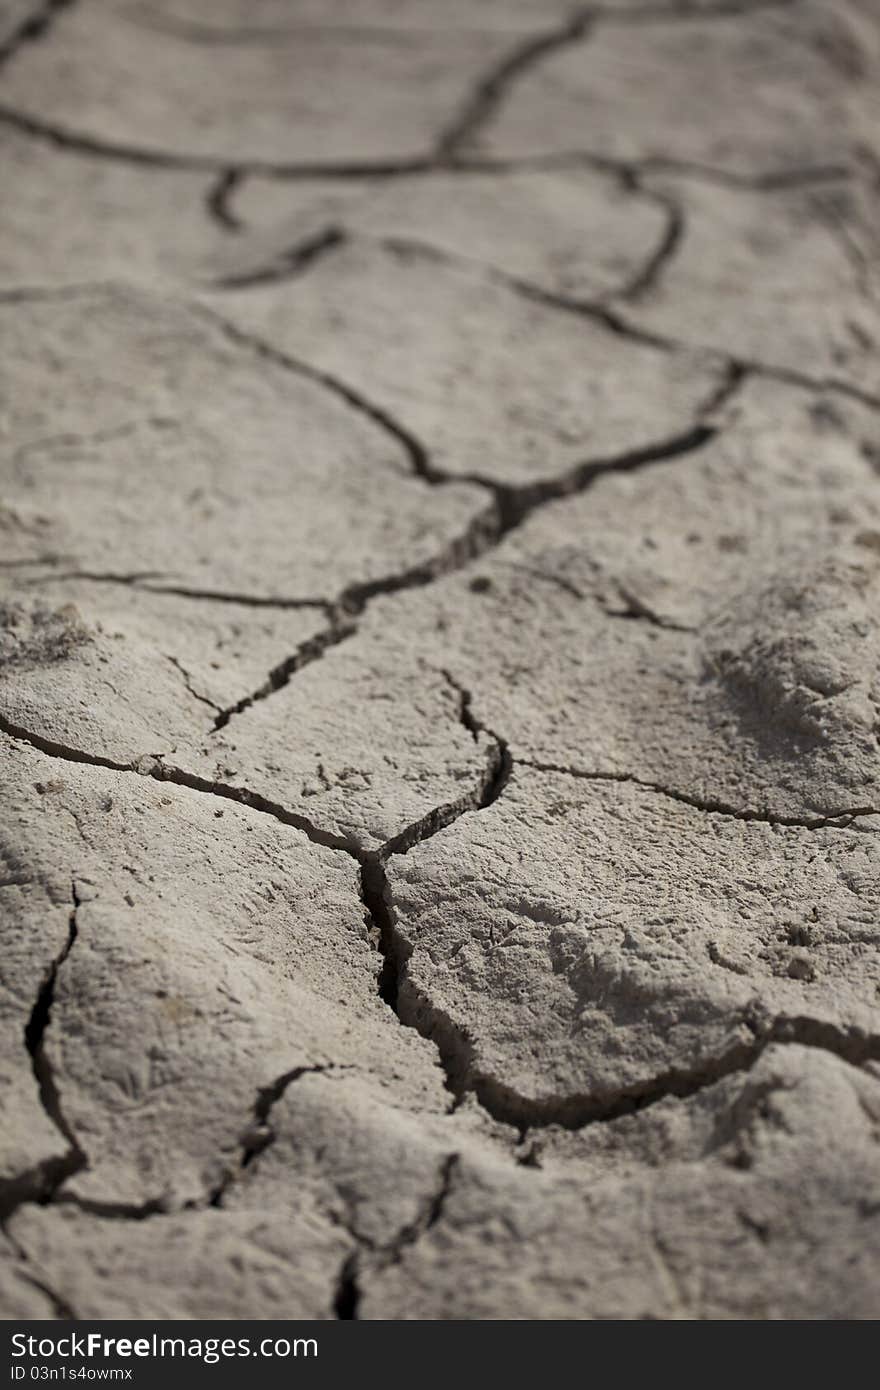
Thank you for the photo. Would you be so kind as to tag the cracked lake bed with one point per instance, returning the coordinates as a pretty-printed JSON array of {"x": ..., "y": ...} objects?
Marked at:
[{"x": 440, "y": 659}]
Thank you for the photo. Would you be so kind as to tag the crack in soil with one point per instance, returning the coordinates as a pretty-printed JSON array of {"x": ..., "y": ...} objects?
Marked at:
[
  {"x": 413, "y": 1009},
  {"x": 153, "y": 766},
  {"x": 487, "y": 95},
  {"x": 308, "y": 651},
  {"x": 604, "y": 313},
  {"x": 508, "y": 507},
  {"x": 217, "y": 199},
  {"x": 228, "y": 177},
  {"x": 630, "y": 175},
  {"x": 375, "y": 890},
  {"x": 413, "y": 449},
  {"x": 35, "y": 1031},
  {"x": 493, "y": 87},
  {"x": 40, "y": 1183},
  {"x": 511, "y": 506},
  {"x": 833, "y": 820},
  {"x": 34, "y": 27},
  {"x": 259, "y": 1134},
  {"x": 348, "y": 1295},
  {"x": 142, "y": 580},
  {"x": 649, "y": 275},
  {"x": 187, "y": 680},
  {"x": 577, "y": 1111},
  {"x": 61, "y": 1308},
  {"x": 287, "y": 264}
]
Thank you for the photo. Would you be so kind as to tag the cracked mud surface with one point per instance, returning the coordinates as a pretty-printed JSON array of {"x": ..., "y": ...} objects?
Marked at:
[{"x": 440, "y": 659}]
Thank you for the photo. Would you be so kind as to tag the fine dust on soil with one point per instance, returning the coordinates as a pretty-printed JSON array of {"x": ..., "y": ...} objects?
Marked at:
[{"x": 440, "y": 659}]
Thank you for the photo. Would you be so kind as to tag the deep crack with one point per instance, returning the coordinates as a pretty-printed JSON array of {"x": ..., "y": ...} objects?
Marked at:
[
  {"x": 35, "y": 1032},
  {"x": 348, "y": 1294},
  {"x": 455, "y": 1047},
  {"x": 576, "y": 1111},
  {"x": 375, "y": 889},
  {"x": 40, "y": 1183}
]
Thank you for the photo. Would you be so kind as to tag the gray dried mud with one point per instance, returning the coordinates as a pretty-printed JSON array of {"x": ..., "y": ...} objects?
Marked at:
[{"x": 439, "y": 654}]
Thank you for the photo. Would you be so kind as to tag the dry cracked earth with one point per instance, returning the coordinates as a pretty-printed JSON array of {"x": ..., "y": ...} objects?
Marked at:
[{"x": 440, "y": 659}]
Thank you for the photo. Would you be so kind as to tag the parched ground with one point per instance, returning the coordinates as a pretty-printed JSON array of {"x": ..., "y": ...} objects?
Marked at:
[{"x": 440, "y": 658}]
